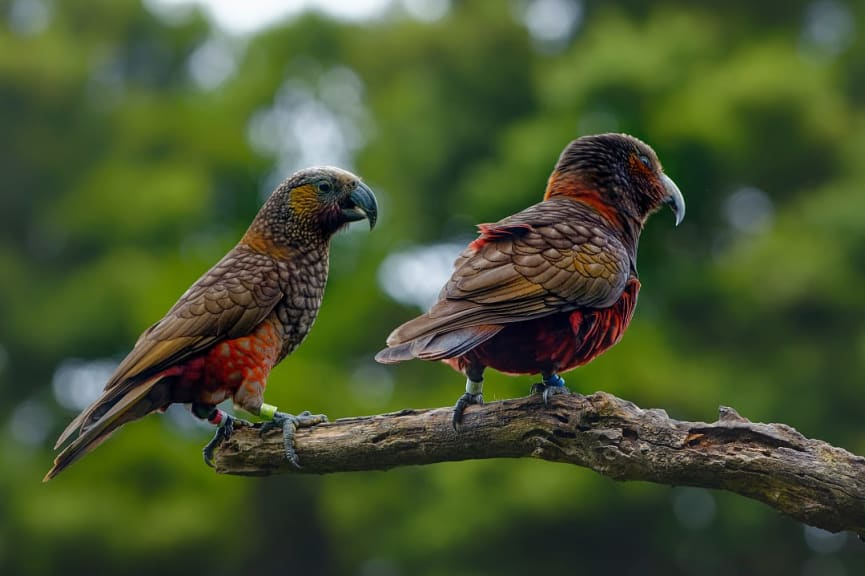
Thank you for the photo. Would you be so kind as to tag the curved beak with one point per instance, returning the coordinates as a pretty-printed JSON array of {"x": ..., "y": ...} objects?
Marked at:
[
  {"x": 360, "y": 204},
  {"x": 674, "y": 198}
]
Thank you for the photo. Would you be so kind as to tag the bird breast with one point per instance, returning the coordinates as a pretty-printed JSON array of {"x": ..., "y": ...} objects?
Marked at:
[{"x": 304, "y": 278}]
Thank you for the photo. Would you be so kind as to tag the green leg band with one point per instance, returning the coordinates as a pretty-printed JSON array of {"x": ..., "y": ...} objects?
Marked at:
[{"x": 267, "y": 411}]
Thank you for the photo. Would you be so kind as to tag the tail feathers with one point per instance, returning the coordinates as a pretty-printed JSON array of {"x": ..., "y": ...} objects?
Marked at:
[
  {"x": 110, "y": 411},
  {"x": 444, "y": 315},
  {"x": 75, "y": 426},
  {"x": 454, "y": 315},
  {"x": 439, "y": 346},
  {"x": 453, "y": 344},
  {"x": 93, "y": 413},
  {"x": 395, "y": 354}
]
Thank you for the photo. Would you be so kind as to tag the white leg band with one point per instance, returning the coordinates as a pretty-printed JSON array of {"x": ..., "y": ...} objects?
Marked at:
[{"x": 473, "y": 387}]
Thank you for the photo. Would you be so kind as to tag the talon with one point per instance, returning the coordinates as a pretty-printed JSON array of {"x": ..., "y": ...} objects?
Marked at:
[
  {"x": 551, "y": 391},
  {"x": 464, "y": 401},
  {"x": 552, "y": 384},
  {"x": 289, "y": 423},
  {"x": 223, "y": 432}
]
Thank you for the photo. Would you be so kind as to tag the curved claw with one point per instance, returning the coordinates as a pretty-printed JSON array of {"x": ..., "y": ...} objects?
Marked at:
[
  {"x": 223, "y": 432},
  {"x": 289, "y": 423},
  {"x": 464, "y": 401},
  {"x": 550, "y": 391},
  {"x": 551, "y": 385}
]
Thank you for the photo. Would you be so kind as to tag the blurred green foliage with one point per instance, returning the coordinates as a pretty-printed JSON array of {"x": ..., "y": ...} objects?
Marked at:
[{"x": 129, "y": 165}]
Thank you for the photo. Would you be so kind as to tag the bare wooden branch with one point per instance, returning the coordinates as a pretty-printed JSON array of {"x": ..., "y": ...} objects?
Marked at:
[{"x": 810, "y": 480}]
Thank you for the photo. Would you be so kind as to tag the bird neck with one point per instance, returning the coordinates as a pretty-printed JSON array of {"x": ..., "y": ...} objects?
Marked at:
[
  {"x": 621, "y": 221},
  {"x": 620, "y": 215},
  {"x": 277, "y": 231}
]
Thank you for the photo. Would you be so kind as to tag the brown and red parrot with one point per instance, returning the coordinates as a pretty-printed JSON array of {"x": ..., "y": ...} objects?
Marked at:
[
  {"x": 235, "y": 323},
  {"x": 554, "y": 286}
]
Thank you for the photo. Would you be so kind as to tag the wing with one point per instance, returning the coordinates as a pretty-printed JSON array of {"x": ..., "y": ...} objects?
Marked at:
[
  {"x": 229, "y": 301},
  {"x": 555, "y": 256}
]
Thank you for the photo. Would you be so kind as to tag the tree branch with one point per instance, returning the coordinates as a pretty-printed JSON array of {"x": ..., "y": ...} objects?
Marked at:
[{"x": 809, "y": 480}]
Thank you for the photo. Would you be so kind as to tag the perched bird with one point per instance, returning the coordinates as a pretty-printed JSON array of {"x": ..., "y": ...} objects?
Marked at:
[
  {"x": 554, "y": 286},
  {"x": 236, "y": 322}
]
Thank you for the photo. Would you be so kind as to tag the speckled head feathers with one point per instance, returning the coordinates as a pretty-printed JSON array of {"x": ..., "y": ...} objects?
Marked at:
[
  {"x": 620, "y": 172},
  {"x": 311, "y": 205}
]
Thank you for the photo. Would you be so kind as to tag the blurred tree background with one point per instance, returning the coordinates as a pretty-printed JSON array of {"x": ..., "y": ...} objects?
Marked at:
[{"x": 138, "y": 140}]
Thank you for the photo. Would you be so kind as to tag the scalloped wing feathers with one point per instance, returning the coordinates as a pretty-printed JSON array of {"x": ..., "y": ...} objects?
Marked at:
[
  {"x": 552, "y": 257},
  {"x": 227, "y": 302}
]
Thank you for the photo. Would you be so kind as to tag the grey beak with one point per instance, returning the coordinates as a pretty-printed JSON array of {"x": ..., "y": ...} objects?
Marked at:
[
  {"x": 674, "y": 198},
  {"x": 361, "y": 204}
]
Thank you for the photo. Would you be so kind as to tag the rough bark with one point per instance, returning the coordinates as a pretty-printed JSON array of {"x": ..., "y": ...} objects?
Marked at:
[{"x": 809, "y": 480}]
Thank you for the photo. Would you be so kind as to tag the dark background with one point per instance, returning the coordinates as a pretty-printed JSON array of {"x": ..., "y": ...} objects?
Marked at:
[{"x": 136, "y": 145}]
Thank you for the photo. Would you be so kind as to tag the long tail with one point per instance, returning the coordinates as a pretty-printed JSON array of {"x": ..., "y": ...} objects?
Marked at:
[{"x": 115, "y": 407}]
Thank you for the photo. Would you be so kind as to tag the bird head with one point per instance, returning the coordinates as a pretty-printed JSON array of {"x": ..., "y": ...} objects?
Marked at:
[
  {"x": 618, "y": 174},
  {"x": 310, "y": 206}
]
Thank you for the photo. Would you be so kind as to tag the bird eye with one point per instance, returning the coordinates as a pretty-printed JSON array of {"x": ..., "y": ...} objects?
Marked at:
[
  {"x": 645, "y": 160},
  {"x": 324, "y": 186}
]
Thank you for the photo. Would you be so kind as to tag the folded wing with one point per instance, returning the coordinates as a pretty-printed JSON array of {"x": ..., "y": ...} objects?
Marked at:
[
  {"x": 553, "y": 257},
  {"x": 229, "y": 301}
]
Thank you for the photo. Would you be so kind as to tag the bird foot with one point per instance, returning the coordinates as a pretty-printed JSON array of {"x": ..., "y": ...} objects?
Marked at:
[
  {"x": 463, "y": 403},
  {"x": 551, "y": 386},
  {"x": 224, "y": 430},
  {"x": 289, "y": 423}
]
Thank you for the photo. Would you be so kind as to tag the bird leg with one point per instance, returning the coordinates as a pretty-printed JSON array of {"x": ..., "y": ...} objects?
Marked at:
[
  {"x": 551, "y": 385},
  {"x": 289, "y": 423},
  {"x": 474, "y": 394},
  {"x": 224, "y": 423}
]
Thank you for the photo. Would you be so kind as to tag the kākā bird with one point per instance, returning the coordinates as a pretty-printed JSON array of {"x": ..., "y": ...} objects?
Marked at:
[
  {"x": 236, "y": 322},
  {"x": 554, "y": 286}
]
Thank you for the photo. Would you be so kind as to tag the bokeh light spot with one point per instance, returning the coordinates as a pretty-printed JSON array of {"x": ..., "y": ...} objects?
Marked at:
[
  {"x": 427, "y": 10},
  {"x": 749, "y": 210},
  {"x": 77, "y": 382},
  {"x": 31, "y": 422},
  {"x": 694, "y": 508},
  {"x": 828, "y": 26},
  {"x": 415, "y": 276},
  {"x": 372, "y": 385},
  {"x": 212, "y": 63},
  {"x": 823, "y": 541},
  {"x": 551, "y": 22}
]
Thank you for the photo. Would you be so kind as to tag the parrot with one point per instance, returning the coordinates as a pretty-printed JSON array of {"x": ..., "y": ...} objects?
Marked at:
[
  {"x": 552, "y": 287},
  {"x": 241, "y": 318}
]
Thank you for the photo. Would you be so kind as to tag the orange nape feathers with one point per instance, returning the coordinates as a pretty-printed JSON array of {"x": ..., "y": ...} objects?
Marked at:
[{"x": 574, "y": 186}]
